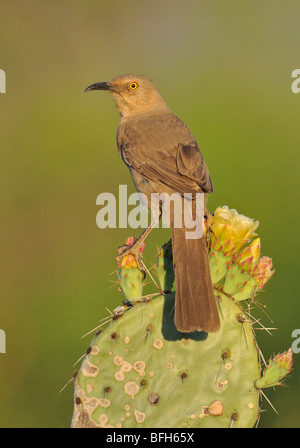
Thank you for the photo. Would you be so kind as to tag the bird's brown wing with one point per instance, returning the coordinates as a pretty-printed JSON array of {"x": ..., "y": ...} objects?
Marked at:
[
  {"x": 190, "y": 163},
  {"x": 180, "y": 167}
]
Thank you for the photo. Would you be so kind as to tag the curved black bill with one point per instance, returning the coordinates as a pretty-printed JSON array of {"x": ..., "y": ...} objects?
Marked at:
[{"x": 99, "y": 86}]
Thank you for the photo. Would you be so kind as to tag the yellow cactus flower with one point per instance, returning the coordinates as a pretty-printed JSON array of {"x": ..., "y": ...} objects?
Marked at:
[{"x": 231, "y": 230}]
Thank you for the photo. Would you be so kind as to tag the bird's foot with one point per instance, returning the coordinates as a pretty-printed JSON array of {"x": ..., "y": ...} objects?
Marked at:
[
  {"x": 208, "y": 220},
  {"x": 132, "y": 247}
]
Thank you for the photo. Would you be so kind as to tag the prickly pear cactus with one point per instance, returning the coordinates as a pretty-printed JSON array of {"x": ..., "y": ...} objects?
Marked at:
[{"x": 141, "y": 372}]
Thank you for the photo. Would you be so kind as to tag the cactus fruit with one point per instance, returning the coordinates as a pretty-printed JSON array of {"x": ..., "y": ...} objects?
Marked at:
[
  {"x": 278, "y": 367},
  {"x": 141, "y": 372},
  {"x": 129, "y": 276}
]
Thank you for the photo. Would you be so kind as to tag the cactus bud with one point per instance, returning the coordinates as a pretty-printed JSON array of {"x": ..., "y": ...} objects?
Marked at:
[
  {"x": 264, "y": 272},
  {"x": 248, "y": 258},
  {"x": 278, "y": 367}
]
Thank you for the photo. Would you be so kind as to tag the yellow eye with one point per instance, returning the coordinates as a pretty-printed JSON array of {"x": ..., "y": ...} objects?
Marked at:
[{"x": 133, "y": 85}]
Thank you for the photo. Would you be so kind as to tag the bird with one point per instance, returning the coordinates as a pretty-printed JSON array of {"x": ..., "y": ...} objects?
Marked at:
[{"x": 163, "y": 157}]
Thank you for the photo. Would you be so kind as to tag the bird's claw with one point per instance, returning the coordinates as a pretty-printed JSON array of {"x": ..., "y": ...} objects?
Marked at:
[{"x": 134, "y": 250}]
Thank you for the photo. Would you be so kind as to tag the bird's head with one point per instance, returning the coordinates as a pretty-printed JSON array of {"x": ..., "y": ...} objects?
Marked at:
[{"x": 133, "y": 94}]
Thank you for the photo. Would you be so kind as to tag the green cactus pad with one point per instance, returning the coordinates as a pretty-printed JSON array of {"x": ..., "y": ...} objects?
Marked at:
[
  {"x": 141, "y": 372},
  {"x": 218, "y": 265},
  {"x": 239, "y": 284}
]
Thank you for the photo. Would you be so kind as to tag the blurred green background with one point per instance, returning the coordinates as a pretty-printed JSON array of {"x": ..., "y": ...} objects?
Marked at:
[{"x": 225, "y": 68}]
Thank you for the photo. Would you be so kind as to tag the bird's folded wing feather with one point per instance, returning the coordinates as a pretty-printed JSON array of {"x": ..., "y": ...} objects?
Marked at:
[{"x": 181, "y": 167}]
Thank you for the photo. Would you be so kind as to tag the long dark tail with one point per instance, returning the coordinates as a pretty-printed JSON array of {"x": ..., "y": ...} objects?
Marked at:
[{"x": 195, "y": 303}]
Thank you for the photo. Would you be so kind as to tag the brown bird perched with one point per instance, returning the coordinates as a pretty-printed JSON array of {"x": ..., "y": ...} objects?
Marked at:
[{"x": 163, "y": 157}]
